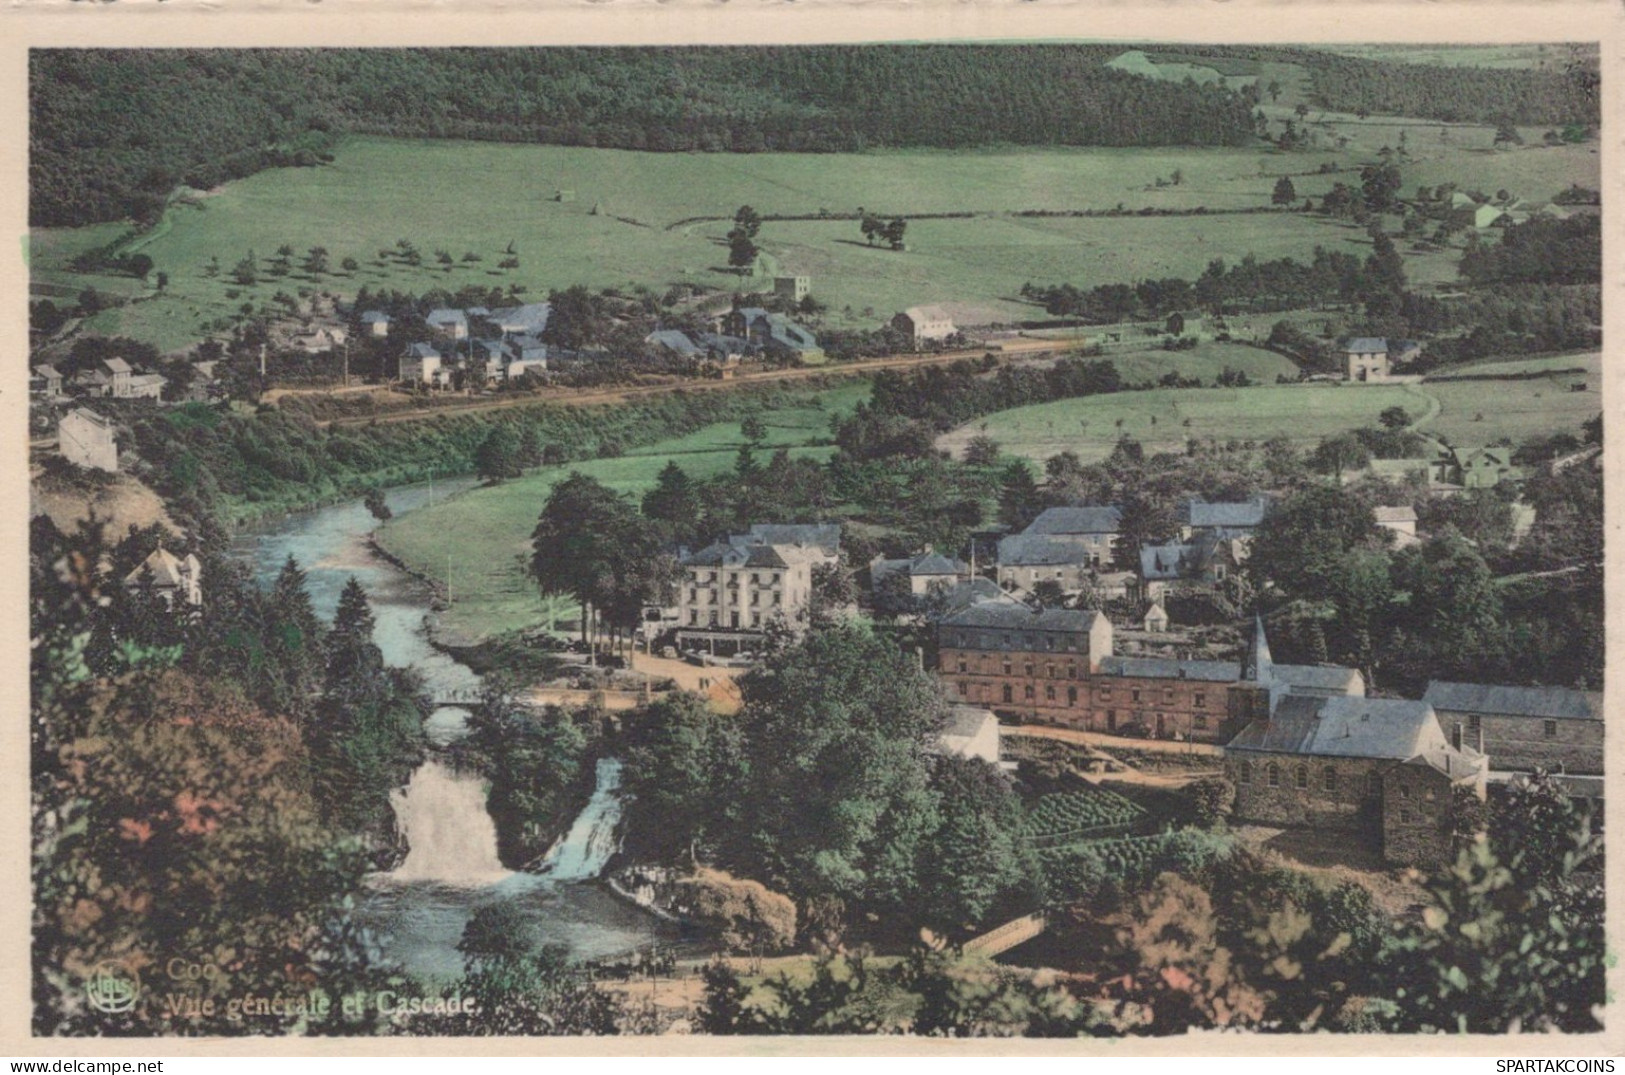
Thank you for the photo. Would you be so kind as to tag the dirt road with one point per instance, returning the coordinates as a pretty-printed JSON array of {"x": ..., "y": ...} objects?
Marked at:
[{"x": 590, "y": 396}]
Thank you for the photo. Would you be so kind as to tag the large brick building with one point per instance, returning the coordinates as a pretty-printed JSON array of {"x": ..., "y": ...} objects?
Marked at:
[
  {"x": 1524, "y": 728},
  {"x": 1014, "y": 659},
  {"x": 1381, "y": 768},
  {"x": 1006, "y": 657}
]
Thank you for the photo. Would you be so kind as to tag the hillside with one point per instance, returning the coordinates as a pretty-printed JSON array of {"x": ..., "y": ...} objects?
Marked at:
[{"x": 112, "y": 132}]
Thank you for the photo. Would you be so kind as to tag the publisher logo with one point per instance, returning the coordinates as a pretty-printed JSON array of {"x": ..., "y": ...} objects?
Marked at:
[{"x": 113, "y": 987}]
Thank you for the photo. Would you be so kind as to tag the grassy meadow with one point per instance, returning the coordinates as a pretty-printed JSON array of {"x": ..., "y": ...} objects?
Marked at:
[
  {"x": 1162, "y": 420},
  {"x": 1474, "y": 413},
  {"x": 629, "y": 221},
  {"x": 486, "y": 561}
]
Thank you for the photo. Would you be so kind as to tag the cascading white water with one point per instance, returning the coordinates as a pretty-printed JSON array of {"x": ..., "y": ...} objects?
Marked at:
[
  {"x": 450, "y": 837},
  {"x": 581, "y": 855}
]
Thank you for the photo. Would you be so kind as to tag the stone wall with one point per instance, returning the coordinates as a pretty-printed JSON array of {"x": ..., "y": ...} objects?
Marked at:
[
  {"x": 1417, "y": 816},
  {"x": 1512, "y": 742},
  {"x": 1350, "y": 802}
]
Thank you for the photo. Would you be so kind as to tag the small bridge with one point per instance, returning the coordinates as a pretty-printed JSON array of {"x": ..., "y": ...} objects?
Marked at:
[{"x": 1001, "y": 939}]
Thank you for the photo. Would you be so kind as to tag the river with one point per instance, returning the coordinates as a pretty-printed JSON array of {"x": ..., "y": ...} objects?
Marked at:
[{"x": 451, "y": 868}]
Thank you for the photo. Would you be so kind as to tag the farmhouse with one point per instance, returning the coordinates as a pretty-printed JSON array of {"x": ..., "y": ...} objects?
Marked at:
[
  {"x": 1092, "y": 528},
  {"x": 170, "y": 577},
  {"x": 320, "y": 339},
  {"x": 375, "y": 323},
  {"x": 1224, "y": 518},
  {"x": 678, "y": 343},
  {"x": 792, "y": 288},
  {"x": 1025, "y": 560},
  {"x": 1365, "y": 358},
  {"x": 1209, "y": 557},
  {"x": 926, "y": 572},
  {"x": 774, "y": 334},
  {"x": 924, "y": 324},
  {"x": 86, "y": 439},
  {"x": 46, "y": 381},
  {"x": 421, "y": 364},
  {"x": 1356, "y": 765},
  {"x": 449, "y": 323},
  {"x": 1524, "y": 728},
  {"x": 1481, "y": 468}
]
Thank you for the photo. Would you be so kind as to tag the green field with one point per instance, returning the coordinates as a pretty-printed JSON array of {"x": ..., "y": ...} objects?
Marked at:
[
  {"x": 491, "y": 593},
  {"x": 1591, "y": 362},
  {"x": 625, "y": 224},
  {"x": 1474, "y": 413},
  {"x": 1163, "y": 420}
]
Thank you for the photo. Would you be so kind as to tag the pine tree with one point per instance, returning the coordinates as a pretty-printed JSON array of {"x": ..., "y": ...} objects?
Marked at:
[{"x": 1018, "y": 497}]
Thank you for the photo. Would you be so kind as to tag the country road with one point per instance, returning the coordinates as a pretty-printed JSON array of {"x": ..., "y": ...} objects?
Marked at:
[{"x": 623, "y": 394}]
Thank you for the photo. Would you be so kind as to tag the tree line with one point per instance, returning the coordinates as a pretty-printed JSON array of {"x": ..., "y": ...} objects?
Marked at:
[{"x": 113, "y": 132}]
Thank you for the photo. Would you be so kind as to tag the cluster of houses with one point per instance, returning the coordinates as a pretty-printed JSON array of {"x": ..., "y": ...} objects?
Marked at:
[
  {"x": 745, "y": 332},
  {"x": 111, "y": 378},
  {"x": 1304, "y": 744},
  {"x": 485, "y": 345}
]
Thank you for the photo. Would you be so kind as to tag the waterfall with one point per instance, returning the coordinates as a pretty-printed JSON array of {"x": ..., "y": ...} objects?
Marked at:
[
  {"x": 581, "y": 855},
  {"x": 450, "y": 837}
]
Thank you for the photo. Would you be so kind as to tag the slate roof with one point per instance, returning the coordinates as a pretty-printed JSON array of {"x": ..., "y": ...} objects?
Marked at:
[
  {"x": 444, "y": 316},
  {"x": 724, "y": 555},
  {"x": 48, "y": 372},
  {"x": 826, "y": 536},
  {"x": 1088, "y": 519},
  {"x": 1390, "y": 728},
  {"x": 1167, "y": 561},
  {"x": 1035, "y": 550},
  {"x": 1168, "y": 668},
  {"x": 1325, "y": 677},
  {"x": 918, "y": 314},
  {"x": 927, "y": 563},
  {"x": 166, "y": 569},
  {"x": 1244, "y": 514},
  {"x": 424, "y": 350},
  {"x": 1016, "y": 616},
  {"x": 115, "y": 365},
  {"x": 526, "y": 347},
  {"x": 1404, "y": 513},
  {"x": 531, "y": 317},
  {"x": 965, "y": 721},
  {"x": 374, "y": 317},
  {"x": 675, "y": 341},
  {"x": 974, "y": 592},
  {"x": 1558, "y": 702},
  {"x": 92, "y": 417},
  {"x": 1365, "y": 345}
]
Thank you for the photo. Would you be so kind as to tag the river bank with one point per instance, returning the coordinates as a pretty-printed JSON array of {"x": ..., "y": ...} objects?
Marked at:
[{"x": 450, "y": 867}]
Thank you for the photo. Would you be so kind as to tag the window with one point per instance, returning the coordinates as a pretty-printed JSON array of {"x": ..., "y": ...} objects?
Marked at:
[
  {"x": 1244, "y": 775},
  {"x": 1007, "y": 666},
  {"x": 755, "y": 579},
  {"x": 1167, "y": 695},
  {"x": 964, "y": 689},
  {"x": 1474, "y": 721},
  {"x": 961, "y": 664},
  {"x": 778, "y": 598},
  {"x": 1373, "y": 785},
  {"x": 1198, "y": 721},
  {"x": 1404, "y": 816},
  {"x": 1300, "y": 779},
  {"x": 1008, "y": 697},
  {"x": 1111, "y": 720},
  {"x": 1199, "y": 700},
  {"x": 1071, "y": 671},
  {"x": 713, "y": 617},
  {"x": 755, "y": 619},
  {"x": 1105, "y": 694},
  {"x": 1550, "y": 727},
  {"x": 1049, "y": 694},
  {"x": 693, "y": 617},
  {"x": 1029, "y": 668},
  {"x": 1072, "y": 696},
  {"x": 1134, "y": 695},
  {"x": 1328, "y": 779},
  {"x": 1404, "y": 792},
  {"x": 1027, "y": 693},
  {"x": 1272, "y": 775},
  {"x": 693, "y": 595}
]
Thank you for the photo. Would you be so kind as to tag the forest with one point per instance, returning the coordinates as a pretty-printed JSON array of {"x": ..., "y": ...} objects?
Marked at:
[{"x": 113, "y": 132}]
